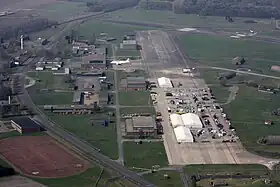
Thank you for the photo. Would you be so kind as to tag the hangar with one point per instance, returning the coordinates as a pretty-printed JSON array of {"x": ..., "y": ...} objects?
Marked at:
[
  {"x": 176, "y": 120},
  {"x": 183, "y": 134},
  {"x": 164, "y": 82},
  {"x": 25, "y": 125},
  {"x": 189, "y": 120}
]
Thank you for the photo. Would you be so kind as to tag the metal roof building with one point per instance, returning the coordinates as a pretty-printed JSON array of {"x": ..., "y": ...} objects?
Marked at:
[
  {"x": 183, "y": 134},
  {"x": 176, "y": 120},
  {"x": 164, "y": 82},
  {"x": 191, "y": 120}
]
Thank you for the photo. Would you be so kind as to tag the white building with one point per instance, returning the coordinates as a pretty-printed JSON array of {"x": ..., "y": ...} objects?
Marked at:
[
  {"x": 191, "y": 120},
  {"x": 164, "y": 82},
  {"x": 176, "y": 120},
  {"x": 55, "y": 68},
  {"x": 183, "y": 135},
  {"x": 39, "y": 68}
]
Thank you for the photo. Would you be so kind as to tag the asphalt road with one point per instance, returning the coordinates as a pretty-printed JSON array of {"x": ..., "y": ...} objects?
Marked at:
[
  {"x": 118, "y": 122},
  {"x": 241, "y": 72}
]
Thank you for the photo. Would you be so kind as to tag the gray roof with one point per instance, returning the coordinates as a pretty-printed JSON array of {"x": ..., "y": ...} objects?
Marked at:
[
  {"x": 77, "y": 96},
  {"x": 136, "y": 80}
]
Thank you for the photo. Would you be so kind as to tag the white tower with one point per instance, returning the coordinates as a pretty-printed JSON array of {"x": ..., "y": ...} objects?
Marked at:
[{"x": 21, "y": 42}]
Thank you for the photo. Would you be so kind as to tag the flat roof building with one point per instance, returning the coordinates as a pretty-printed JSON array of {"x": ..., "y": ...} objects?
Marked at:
[
  {"x": 140, "y": 126},
  {"x": 164, "y": 82},
  {"x": 95, "y": 60},
  {"x": 25, "y": 125},
  {"x": 133, "y": 83}
]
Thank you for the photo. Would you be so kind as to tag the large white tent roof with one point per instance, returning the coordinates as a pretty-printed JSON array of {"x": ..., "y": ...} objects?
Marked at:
[
  {"x": 164, "y": 82},
  {"x": 183, "y": 134},
  {"x": 176, "y": 120},
  {"x": 191, "y": 120}
]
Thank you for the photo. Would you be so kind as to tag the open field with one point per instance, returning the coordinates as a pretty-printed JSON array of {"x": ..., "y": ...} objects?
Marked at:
[
  {"x": 46, "y": 89},
  {"x": 226, "y": 169},
  {"x": 190, "y": 20},
  {"x": 138, "y": 110},
  {"x": 62, "y": 10},
  {"x": 87, "y": 178},
  {"x": 135, "y": 98},
  {"x": 158, "y": 179},
  {"x": 144, "y": 155},
  {"x": 219, "y": 51},
  {"x": 23, "y": 4},
  {"x": 41, "y": 156},
  {"x": 18, "y": 181},
  {"x": 99, "y": 136},
  {"x": 235, "y": 182}
]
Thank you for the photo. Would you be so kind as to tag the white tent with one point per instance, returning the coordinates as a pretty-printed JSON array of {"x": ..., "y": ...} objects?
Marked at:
[
  {"x": 164, "y": 82},
  {"x": 183, "y": 134},
  {"x": 176, "y": 120},
  {"x": 191, "y": 120}
]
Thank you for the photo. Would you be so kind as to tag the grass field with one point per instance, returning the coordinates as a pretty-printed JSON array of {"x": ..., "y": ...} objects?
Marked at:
[
  {"x": 46, "y": 80},
  {"x": 99, "y": 136},
  {"x": 234, "y": 182},
  {"x": 219, "y": 51},
  {"x": 139, "y": 110},
  {"x": 158, "y": 179},
  {"x": 190, "y": 20},
  {"x": 144, "y": 155},
  {"x": 125, "y": 53},
  {"x": 87, "y": 178},
  {"x": 226, "y": 169},
  {"x": 62, "y": 10},
  {"x": 135, "y": 98}
]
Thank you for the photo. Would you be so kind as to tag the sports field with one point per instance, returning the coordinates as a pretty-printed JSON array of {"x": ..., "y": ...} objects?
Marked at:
[{"x": 41, "y": 156}]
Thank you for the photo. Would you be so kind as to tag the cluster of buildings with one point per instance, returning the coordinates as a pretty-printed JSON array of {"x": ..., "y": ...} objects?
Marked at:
[{"x": 49, "y": 65}]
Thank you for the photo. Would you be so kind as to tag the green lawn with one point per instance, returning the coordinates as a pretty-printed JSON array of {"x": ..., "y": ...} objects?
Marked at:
[
  {"x": 135, "y": 98},
  {"x": 235, "y": 182},
  {"x": 224, "y": 169},
  {"x": 188, "y": 20},
  {"x": 144, "y": 155},
  {"x": 102, "y": 137},
  {"x": 46, "y": 80},
  {"x": 85, "y": 179},
  {"x": 125, "y": 53},
  {"x": 62, "y": 10},
  {"x": 158, "y": 179},
  {"x": 219, "y": 51},
  {"x": 139, "y": 110}
]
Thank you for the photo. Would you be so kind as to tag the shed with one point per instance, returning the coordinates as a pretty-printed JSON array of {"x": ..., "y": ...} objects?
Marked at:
[
  {"x": 191, "y": 120},
  {"x": 164, "y": 82},
  {"x": 183, "y": 134},
  {"x": 176, "y": 120}
]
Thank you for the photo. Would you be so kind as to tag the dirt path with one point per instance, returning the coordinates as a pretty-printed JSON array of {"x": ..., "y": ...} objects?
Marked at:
[{"x": 233, "y": 92}]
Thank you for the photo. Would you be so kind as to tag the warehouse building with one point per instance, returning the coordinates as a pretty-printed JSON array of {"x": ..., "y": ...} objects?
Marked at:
[
  {"x": 133, "y": 83},
  {"x": 95, "y": 60},
  {"x": 164, "y": 82},
  {"x": 189, "y": 120},
  {"x": 183, "y": 134},
  {"x": 25, "y": 125},
  {"x": 140, "y": 126}
]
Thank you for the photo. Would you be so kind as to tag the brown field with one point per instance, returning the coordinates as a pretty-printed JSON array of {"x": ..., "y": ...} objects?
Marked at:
[
  {"x": 41, "y": 156},
  {"x": 22, "y": 4}
]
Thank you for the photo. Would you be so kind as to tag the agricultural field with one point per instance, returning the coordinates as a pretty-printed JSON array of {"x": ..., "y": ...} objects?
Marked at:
[
  {"x": 62, "y": 10},
  {"x": 144, "y": 155},
  {"x": 90, "y": 129},
  {"x": 158, "y": 178},
  {"x": 135, "y": 98}
]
